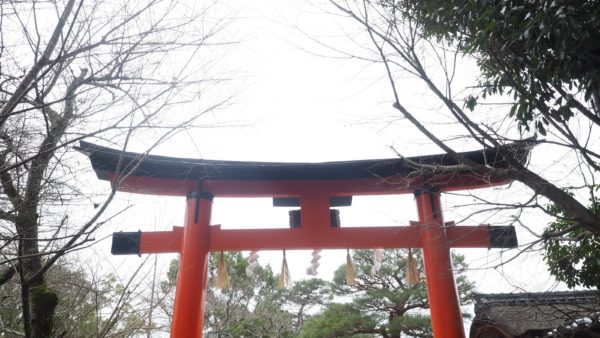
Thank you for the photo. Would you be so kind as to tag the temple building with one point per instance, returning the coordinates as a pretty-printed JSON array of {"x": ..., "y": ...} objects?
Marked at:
[{"x": 530, "y": 315}]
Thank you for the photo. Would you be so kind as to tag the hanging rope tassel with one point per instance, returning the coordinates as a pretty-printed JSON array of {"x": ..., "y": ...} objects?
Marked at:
[
  {"x": 412, "y": 273},
  {"x": 314, "y": 263},
  {"x": 285, "y": 280},
  {"x": 350, "y": 272},
  {"x": 252, "y": 263},
  {"x": 222, "y": 278}
]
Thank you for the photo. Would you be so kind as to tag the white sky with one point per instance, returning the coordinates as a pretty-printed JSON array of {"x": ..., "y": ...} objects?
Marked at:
[{"x": 294, "y": 105}]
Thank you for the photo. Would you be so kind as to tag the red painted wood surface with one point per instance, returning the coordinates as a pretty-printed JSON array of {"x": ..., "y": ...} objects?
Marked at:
[
  {"x": 446, "y": 319},
  {"x": 190, "y": 292},
  {"x": 319, "y": 237},
  {"x": 161, "y": 241},
  {"x": 296, "y": 188}
]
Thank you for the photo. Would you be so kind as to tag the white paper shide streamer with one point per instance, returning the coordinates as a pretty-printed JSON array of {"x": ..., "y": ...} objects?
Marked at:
[
  {"x": 252, "y": 263},
  {"x": 377, "y": 261},
  {"x": 314, "y": 263}
]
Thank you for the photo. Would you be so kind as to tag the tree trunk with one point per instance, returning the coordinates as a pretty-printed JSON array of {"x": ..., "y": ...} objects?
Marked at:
[
  {"x": 571, "y": 206},
  {"x": 43, "y": 304},
  {"x": 596, "y": 99},
  {"x": 41, "y": 301}
]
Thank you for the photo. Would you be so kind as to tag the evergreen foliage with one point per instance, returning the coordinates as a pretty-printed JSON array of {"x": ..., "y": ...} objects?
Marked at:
[{"x": 574, "y": 257}]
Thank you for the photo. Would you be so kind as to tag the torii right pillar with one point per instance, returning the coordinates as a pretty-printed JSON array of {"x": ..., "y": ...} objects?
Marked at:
[{"x": 446, "y": 318}]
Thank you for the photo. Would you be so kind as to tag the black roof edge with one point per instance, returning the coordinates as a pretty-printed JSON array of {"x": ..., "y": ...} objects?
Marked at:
[{"x": 105, "y": 160}]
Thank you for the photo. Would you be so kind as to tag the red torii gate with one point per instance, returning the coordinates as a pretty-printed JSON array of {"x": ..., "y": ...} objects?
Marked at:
[{"x": 314, "y": 187}]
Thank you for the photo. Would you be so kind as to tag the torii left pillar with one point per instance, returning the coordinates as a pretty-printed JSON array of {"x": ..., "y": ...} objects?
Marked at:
[{"x": 190, "y": 293}]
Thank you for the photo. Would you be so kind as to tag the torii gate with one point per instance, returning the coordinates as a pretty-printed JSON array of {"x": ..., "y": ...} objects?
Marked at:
[{"x": 314, "y": 187}]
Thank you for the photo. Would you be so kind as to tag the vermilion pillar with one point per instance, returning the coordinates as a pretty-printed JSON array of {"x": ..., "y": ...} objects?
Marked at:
[
  {"x": 188, "y": 313},
  {"x": 444, "y": 305}
]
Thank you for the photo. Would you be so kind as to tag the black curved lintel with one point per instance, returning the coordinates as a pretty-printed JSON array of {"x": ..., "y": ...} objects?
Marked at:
[{"x": 107, "y": 160}]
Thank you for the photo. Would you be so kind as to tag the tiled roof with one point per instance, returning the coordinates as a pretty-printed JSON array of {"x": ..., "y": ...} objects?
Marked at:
[{"x": 537, "y": 298}]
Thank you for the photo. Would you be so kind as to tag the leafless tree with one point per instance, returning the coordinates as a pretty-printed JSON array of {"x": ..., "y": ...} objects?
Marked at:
[
  {"x": 91, "y": 304},
  {"x": 398, "y": 45},
  {"x": 106, "y": 69}
]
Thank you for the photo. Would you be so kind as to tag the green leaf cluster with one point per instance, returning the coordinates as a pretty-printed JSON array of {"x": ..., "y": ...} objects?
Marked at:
[
  {"x": 543, "y": 53},
  {"x": 571, "y": 252},
  {"x": 382, "y": 304},
  {"x": 340, "y": 320},
  {"x": 251, "y": 306}
]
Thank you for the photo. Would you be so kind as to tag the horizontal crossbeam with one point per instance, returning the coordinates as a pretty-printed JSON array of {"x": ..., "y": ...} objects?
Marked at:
[{"x": 481, "y": 236}]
